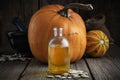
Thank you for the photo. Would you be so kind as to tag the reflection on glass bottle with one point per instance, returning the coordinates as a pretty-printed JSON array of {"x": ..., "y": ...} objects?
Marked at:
[{"x": 58, "y": 53}]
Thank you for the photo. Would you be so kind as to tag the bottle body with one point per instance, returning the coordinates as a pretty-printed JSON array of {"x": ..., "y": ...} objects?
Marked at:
[{"x": 58, "y": 55}]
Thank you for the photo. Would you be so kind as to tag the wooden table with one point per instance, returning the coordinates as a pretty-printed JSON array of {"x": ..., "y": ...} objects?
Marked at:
[{"x": 104, "y": 68}]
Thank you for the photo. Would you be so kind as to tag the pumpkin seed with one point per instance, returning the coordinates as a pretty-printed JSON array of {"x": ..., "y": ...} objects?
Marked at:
[
  {"x": 76, "y": 76},
  {"x": 85, "y": 73},
  {"x": 63, "y": 77},
  {"x": 84, "y": 76},
  {"x": 57, "y": 76},
  {"x": 72, "y": 71},
  {"x": 80, "y": 72},
  {"x": 69, "y": 77},
  {"x": 65, "y": 74},
  {"x": 50, "y": 76}
]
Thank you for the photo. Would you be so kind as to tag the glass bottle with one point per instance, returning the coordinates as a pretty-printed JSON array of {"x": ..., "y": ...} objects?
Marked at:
[{"x": 58, "y": 53}]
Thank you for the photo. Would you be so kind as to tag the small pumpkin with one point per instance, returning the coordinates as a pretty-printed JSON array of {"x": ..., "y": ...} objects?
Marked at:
[
  {"x": 41, "y": 26},
  {"x": 97, "y": 43}
]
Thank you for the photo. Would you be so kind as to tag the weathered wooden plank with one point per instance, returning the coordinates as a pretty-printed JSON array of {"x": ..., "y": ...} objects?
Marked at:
[
  {"x": 114, "y": 55},
  {"x": 12, "y": 70},
  {"x": 105, "y": 68},
  {"x": 30, "y": 7},
  {"x": 38, "y": 71},
  {"x": 81, "y": 65},
  {"x": 62, "y": 2},
  {"x": 27, "y": 9},
  {"x": 8, "y": 10}
]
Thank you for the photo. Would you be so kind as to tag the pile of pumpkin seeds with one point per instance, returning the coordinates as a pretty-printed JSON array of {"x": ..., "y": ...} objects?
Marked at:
[{"x": 72, "y": 74}]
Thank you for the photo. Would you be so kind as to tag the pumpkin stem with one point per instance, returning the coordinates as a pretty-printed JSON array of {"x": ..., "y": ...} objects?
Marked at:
[{"x": 64, "y": 11}]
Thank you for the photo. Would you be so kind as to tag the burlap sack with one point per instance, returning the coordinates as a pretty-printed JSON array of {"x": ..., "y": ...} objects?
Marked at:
[{"x": 98, "y": 23}]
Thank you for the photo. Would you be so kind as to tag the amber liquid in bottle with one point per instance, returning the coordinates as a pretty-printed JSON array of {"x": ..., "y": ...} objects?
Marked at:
[{"x": 58, "y": 53}]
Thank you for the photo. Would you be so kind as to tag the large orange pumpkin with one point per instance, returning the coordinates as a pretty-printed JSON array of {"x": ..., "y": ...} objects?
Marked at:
[
  {"x": 41, "y": 30},
  {"x": 97, "y": 43}
]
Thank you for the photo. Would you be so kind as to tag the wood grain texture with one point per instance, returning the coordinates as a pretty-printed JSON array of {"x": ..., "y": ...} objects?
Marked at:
[
  {"x": 12, "y": 70},
  {"x": 29, "y": 10},
  {"x": 104, "y": 68},
  {"x": 61, "y": 2},
  {"x": 8, "y": 11},
  {"x": 107, "y": 67},
  {"x": 81, "y": 65},
  {"x": 114, "y": 55},
  {"x": 38, "y": 71}
]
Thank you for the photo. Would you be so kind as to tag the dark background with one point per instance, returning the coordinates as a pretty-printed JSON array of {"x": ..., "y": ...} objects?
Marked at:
[{"x": 24, "y": 9}]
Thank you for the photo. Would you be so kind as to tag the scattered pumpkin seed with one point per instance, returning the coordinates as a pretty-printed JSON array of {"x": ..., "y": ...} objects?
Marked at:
[{"x": 71, "y": 74}]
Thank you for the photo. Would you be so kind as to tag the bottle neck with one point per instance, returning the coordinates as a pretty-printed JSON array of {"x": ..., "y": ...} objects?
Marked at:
[{"x": 58, "y": 32}]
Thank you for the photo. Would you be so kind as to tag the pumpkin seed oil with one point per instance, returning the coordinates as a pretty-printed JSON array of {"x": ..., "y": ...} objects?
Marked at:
[{"x": 58, "y": 54}]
